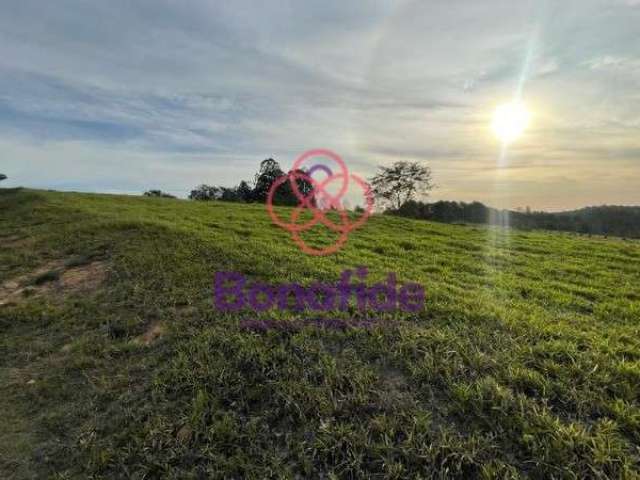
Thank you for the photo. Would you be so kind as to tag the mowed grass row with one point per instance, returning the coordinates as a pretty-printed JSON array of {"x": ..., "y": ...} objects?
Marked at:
[{"x": 524, "y": 363}]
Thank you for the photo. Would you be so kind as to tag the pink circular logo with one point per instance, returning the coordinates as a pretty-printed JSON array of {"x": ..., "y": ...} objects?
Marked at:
[{"x": 320, "y": 200}]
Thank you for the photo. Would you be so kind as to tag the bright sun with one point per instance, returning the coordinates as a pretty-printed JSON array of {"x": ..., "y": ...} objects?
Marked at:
[{"x": 510, "y": 120}]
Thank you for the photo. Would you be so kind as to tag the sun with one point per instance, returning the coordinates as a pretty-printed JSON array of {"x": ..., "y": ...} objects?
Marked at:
[{"x": 510, "y": 120}]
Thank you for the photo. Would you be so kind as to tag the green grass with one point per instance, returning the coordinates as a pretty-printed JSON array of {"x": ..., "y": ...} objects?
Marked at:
[{"x": 525, "y": 362}]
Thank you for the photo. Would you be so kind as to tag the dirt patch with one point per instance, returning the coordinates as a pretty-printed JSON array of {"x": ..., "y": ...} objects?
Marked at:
[
  {"x": 155, "y": 331},
  {"x": 84, "y": 277},
  {"x": 394, "y": 390},
  {"x": 53, "y": 279},
  {"x": 184, "y": 435},
  {"x": 16, "y": 241}
]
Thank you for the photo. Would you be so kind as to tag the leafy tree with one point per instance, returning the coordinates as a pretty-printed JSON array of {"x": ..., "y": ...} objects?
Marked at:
[
  {"x": 304, "y": 187},
  {"x": 229, "y": 194},
  {"x": 269, "y": 172},
  {"x": 157, "y": 193},
  {"x": 245, "y": 192},
  {"x": 2, "y": 177},
  {"x": 400, "y": 182},
  {"x": 205, "y": 192}
]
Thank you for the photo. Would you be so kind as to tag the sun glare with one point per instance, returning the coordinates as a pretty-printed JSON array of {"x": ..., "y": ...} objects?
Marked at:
[{"x": 510, "y": 120}]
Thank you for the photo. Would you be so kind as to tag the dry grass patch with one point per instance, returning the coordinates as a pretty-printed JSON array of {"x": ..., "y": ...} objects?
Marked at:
[
  {"x": 155, "y": 331},
  {"x": 54, "y": 279}
]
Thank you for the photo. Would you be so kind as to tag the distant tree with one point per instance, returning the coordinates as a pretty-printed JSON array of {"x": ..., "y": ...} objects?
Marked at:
[
  {"x": 158, "y": 193},
  {"x": 603, "y": 220},
  {"x": 205, "y": 192},
  {"x": 305, "y": 187},
  {"x": 2, "y": 177},
  {"x": 268, "y": 173},
  {"x": 245, "y": 192},
  {"x": 400, "y": 182},
  {"x": 229, "y": 194}
]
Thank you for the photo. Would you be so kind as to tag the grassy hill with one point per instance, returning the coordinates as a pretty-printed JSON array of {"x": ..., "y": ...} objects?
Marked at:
[{"x": 525, "y": 362}]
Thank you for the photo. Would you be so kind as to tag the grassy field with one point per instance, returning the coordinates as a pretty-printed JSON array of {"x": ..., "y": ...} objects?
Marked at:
[{"x": 524, "y": 363}]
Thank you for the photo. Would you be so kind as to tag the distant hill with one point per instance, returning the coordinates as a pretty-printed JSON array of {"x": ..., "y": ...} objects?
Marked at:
[{"x": 613, "y": 220}]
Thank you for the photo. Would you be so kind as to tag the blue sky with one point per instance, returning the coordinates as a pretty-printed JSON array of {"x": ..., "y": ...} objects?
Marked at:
[{"x": 124, "y": 96}]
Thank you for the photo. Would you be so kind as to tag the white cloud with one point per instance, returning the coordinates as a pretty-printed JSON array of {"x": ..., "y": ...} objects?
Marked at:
[{"x": 615, "y": 63}]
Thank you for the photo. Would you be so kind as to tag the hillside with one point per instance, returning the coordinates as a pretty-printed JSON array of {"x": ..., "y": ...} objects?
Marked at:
[
  {"x": 620, "y": 221},
  {"x": 524, "y": 363}
]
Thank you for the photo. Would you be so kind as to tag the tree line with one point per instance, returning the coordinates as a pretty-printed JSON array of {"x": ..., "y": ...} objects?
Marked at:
[
  {"x": 392, "y": 186},
  {"x": 605, "y": 220},
  {"x": 396, "y": 187},
  {"x": 257, "y": 191}
]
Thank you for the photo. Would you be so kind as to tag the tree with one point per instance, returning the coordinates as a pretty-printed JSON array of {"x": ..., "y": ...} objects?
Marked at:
[
  {"x": 400, "y": 182},
  {"x": 245, "y": 193},
  {"x": 269, "y": 172},
  {"x": 2, "y": 177},
  {"x": 205, "y": 192},
  {"x": 157, "y": 193},
  {"x": 229, "y": 194},
  {"x": 305, "y": 187}
]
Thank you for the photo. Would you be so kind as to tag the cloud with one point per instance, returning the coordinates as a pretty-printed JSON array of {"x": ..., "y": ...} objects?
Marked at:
[
  {"x": 611, "y": 62},
  {"x": 115, "y": 96}
]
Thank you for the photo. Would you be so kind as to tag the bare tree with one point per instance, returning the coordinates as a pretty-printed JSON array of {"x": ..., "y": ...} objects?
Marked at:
[{"x": 401, "y": 182}]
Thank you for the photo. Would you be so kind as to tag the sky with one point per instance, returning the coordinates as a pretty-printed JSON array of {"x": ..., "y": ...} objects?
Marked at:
[{"x": 125, "y": 96}]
